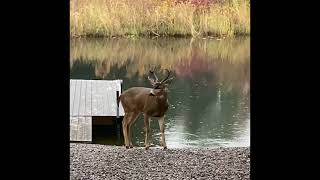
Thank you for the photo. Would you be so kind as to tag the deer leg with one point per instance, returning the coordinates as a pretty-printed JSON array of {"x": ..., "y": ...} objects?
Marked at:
[
  {"x": 133, "y": 118},
  {"x": 147, "y": 131},
  {"x": 128, "y": 131},
  {"x": 125, "y": 129},
  {"x": 162, "y": 138}
]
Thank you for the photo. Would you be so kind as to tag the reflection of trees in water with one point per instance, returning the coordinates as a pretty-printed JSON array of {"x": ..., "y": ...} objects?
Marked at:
[
  {"x": 82, "y": 69},
  {"x": 195, "y": 88},
  {"x": 225, "y": 114},
  {"x": 163, "y": 52},
  {"x": 215, "y": 113},
  {"x": 194, "y": 100},
  {"x": 213, "y": 94},
  {"x": 234, "y": 76}
]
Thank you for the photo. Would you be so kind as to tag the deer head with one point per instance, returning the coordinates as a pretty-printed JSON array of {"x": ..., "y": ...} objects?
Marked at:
[{"x": 159, "y": 87}]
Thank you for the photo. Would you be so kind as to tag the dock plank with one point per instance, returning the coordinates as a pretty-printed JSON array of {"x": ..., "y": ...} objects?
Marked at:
[
  {"x": 81, "y": 128},
  {"x": 94, "y": 99},
  {"x": 99, "y": 97},
  {"x": 113, "y": 93},
  {"x": 72, "y": 89},
  {"x": 82, "y": 104},
  {"x": 74, "y": 96},
  {"x": 88, "y": 129},
  {"x": 73, "y": 128},
  {"x": 105, "y": 98},
  {"x": 76, "y": 104},
  {"x": 88, "y": 109}
]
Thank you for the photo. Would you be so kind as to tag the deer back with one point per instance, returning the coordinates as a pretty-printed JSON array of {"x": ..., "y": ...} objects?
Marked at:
[{"x": 139, "y": 99}]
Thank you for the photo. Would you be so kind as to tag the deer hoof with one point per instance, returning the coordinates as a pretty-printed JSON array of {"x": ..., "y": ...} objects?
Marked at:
[
  {"x": 165, "y": 147},
  {"x": 127, "y": 147},
  {"x": 146, "y": 148},
  {"x": 131, "y": 146}
]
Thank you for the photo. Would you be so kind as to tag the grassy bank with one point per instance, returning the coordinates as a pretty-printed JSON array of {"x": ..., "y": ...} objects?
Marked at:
[{"x": 159, "y": 18}]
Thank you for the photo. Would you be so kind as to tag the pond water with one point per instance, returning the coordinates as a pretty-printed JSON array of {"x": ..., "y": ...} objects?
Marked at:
[{"x": 209, "y": 98}]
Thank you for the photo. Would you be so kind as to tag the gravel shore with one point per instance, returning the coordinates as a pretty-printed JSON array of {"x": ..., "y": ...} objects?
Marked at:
[{"x": 91, "y": 161}]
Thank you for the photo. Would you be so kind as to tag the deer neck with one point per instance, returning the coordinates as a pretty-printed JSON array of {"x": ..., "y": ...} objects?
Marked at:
[
  {"x": 162, "y": 97},
  {"x": 163, "y": 94}
]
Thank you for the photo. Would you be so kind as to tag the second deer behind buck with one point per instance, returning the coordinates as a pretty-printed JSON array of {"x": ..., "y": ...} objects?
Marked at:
[{"x": 152, "y": 102}]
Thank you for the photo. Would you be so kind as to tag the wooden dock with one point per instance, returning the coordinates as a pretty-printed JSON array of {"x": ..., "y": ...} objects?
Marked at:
[{"x": 92, "y": 98}]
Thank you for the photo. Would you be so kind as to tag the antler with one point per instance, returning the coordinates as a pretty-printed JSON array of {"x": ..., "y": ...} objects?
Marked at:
[
  {"x": 153, "y": 81},
  {"x": 165, "y": 79},
  {"x": 154, "y": 74}
]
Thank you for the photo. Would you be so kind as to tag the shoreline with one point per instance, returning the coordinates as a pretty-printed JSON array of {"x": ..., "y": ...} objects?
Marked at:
[
  {"x": 93, "y": 161},
  {"x": 161, "y": 36}
]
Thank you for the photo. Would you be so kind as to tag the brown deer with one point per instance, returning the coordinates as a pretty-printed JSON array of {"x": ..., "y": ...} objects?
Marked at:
[{"x": 152, "y": 102}]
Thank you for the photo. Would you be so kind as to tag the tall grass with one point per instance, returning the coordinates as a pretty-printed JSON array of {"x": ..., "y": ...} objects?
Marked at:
[{"x": 158, "y": 18}]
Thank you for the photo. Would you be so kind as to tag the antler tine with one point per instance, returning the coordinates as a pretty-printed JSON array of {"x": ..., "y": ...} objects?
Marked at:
[
  {"x": 168, "y": 72},
  {"x": 154, "y": 74}
]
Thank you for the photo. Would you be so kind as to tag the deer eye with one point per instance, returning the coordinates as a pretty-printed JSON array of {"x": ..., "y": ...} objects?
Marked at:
[{"x": 157, "y": 86}]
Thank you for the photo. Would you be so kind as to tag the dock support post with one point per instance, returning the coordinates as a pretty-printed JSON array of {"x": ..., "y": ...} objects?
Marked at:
[
  {"x": 118, "y": 129},
  {"x": 121, "y": 88}
]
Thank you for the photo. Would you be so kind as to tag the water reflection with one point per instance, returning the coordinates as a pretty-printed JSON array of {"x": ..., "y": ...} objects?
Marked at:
[{"x": 209, "y": 99}]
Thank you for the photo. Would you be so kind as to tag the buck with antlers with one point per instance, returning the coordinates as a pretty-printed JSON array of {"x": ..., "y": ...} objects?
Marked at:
[{"x": 152, "y": 102}]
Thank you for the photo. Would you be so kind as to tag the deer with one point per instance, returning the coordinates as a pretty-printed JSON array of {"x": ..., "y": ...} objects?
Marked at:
[{"x": 151, "y": 102}]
